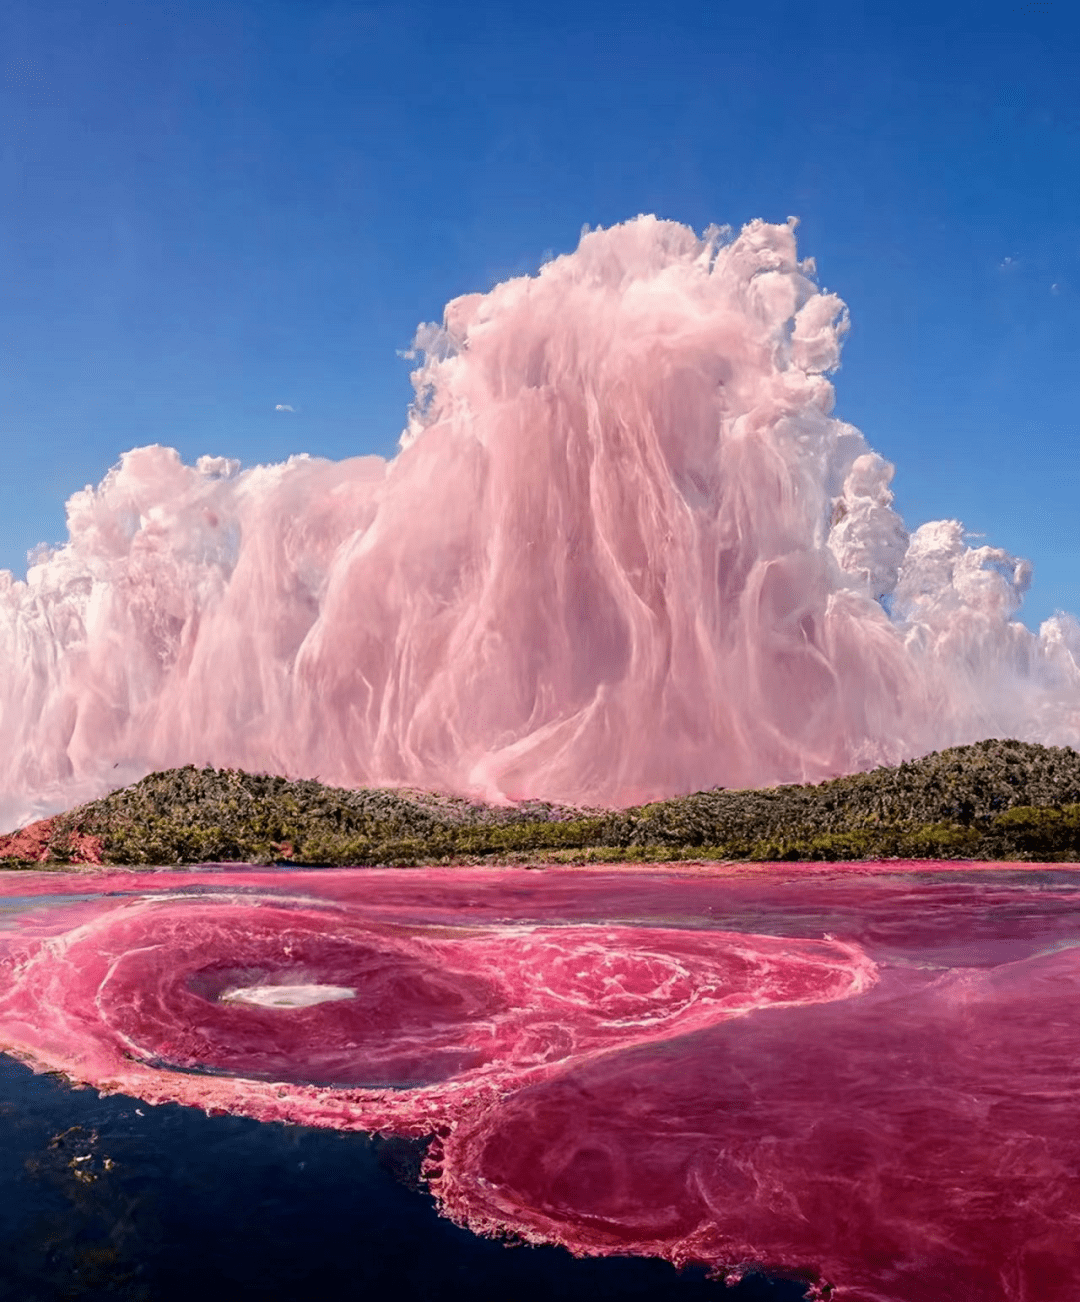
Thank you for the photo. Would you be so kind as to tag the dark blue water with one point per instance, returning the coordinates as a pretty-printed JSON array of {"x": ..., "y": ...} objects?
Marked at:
[{"x": 112, "y": 1198}]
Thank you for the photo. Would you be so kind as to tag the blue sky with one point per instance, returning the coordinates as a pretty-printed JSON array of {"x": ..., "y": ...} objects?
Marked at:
[{"x": 208, "y": 209}]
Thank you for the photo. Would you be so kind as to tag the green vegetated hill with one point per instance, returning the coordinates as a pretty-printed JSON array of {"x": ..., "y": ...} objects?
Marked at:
[{"x": 991, "y": 800}]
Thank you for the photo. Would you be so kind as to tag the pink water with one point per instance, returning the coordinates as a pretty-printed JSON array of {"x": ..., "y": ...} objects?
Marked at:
[{"x": 866, "y": 1077}]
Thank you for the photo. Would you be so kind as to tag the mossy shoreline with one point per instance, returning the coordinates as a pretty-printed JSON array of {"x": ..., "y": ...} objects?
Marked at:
[{"x": 994, "y": 800}]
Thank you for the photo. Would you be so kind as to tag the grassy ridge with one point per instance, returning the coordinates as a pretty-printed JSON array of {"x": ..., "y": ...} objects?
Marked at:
[{"x": 992, "y": 800}]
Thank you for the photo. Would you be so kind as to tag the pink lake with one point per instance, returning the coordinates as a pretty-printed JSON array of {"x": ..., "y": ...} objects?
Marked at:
[{"x": 861, "y": 1076}]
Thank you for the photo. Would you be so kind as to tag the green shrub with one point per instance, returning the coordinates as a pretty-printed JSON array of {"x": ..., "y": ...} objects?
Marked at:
[{"x": 994, "y": 799}]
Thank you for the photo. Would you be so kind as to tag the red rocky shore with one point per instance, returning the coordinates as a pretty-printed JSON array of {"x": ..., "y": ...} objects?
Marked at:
[{"x": 34, "y": 844}]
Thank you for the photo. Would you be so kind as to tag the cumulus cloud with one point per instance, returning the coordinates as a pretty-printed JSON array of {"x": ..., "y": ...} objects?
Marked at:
[{"x": 625, "y": 551}]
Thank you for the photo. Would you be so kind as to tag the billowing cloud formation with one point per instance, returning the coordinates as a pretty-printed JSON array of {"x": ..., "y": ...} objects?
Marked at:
[{"x": 624, "y": 551}]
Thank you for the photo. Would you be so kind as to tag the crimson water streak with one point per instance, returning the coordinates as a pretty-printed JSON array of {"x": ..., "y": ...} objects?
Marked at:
[
  {"x": 862, "y": 1077},
  {"x": 625, "y": 551}
]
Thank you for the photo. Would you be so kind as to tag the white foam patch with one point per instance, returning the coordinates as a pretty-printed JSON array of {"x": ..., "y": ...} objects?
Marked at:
[{"x": 286, "y": 996}]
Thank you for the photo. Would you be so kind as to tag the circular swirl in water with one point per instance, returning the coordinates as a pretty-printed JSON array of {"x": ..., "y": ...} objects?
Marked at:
[
  {"x": 298, "y": 1008},
  {"x": 300, "y": 998}
]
